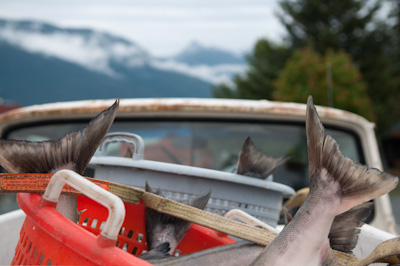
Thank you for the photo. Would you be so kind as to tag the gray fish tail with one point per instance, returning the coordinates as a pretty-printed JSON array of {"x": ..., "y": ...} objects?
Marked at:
[
  {"x": 346, "y": 227},
  {"x": 337, "y": 185},
  {"x": 162, "y": 227},
  {"x": 72, "y": 151},
  {"x": 287, "y": 215},
  {"x": 160, "y": 252},
  {"x": 149, "y": 189},
  {"x": 356, "y": 183},
  {"x": 199, "y": 202},
  {"x": 254, "y": 163}
]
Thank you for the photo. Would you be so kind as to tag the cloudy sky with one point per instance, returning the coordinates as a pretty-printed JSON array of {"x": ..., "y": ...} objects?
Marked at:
[{"x": 163, "y": 27}]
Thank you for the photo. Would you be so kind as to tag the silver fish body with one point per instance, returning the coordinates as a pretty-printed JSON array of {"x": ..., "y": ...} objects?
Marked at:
[
  {"x": 238, "y": 254},
  {"x": 343, "y": 236},
  {"x": 337, "y": 184},
  {"x": 334, "y": 207}
]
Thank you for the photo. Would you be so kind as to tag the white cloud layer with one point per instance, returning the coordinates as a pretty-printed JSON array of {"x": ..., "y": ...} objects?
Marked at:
[
  {"x": 96, "y": 53},
  {"x": 164, "y": 27},
  {"x": 213, "y": 74},
  {"x": 74, "y": 48}
]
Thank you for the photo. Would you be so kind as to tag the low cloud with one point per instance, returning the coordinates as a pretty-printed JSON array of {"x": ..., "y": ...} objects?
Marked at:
[
  {"x": 214, "y": 74},
  {"x": 86, "y": 51},
  {"x": 96, "y": 51}
]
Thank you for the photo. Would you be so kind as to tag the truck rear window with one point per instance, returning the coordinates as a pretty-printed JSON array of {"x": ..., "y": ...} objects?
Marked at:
[{"x": 211, "y": 144}]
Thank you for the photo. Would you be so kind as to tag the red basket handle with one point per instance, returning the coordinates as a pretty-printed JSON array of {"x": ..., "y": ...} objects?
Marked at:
[{"x": 115, "y": 206}]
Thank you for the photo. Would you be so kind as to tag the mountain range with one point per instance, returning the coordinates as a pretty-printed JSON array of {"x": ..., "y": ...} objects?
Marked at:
[
  {"x": 41, "y": 63},
  {"x": 197, "y": 54}
]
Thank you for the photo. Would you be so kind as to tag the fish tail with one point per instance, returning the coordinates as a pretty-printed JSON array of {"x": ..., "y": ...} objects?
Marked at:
[
  {"x": 199, "y": 202},
  {"x": 254, "y": 163},
  {"x": 72, "y": 151},
  {"x": 355, "y": 183},
  {"x": 149, "y": 189},
  {"x": 160, "y": 252},
  {"x": 287, "y": 215},
  {"x": 345, "y": 229}
]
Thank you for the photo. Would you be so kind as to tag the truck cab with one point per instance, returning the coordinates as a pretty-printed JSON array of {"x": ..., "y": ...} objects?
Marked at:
[{"x": 208, "y": 134}]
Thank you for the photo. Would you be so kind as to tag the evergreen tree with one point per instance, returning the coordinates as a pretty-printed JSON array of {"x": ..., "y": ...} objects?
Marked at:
[
  {"x": 264, "y": 64},
  {"x": 328, "y": 24},
  {"x": 395, "y": 33},
  {"x": 351, "y": 26}
]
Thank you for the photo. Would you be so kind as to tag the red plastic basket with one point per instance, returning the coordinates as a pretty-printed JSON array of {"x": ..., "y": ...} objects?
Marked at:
[
  {"x": 48, "y": 238},
  {"x": 132, "y": 237}
]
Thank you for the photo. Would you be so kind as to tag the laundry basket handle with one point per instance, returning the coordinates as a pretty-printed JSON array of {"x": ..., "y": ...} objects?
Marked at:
[
  {"x": 113, "y": 203},
  {"x": 124, "y": 137}
]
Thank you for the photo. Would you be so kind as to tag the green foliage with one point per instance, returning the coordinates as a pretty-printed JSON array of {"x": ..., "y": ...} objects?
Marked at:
[
  {"x": 265, "y": 63},
  {"x": 305, "y": 73},
  {"x": 224, "y": 91},
  {"x": 352, "y": 26},
  {"x": 328, "y": 27},
  {"x": 395, "y": 33},
  {"x": 302, "y": 75},
  {"x": 328, "y": 24}
]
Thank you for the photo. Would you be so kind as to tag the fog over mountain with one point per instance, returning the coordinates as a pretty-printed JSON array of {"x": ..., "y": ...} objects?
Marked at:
[
  {"x": 42, "y": 60},
  {"x": 197, "y": 54}
]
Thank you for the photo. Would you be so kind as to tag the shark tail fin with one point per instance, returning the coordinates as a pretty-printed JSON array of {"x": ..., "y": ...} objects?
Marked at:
[
  {"x": 72, "y": 151},
  {"x": 356, "y": 183},
  {"x": 254, "y": 163},
  {"x": 346, "y": 227}
]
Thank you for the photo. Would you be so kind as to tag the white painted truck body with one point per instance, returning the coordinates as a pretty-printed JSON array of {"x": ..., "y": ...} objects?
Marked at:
[{"x": 380, "y": 228}]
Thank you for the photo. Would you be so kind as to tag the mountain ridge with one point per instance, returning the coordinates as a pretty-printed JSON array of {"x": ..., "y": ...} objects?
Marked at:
[
  {"x": 198, "y": 54},
  {"x": 30, "y": 78},
  {"x": 37, "y": 59}
]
